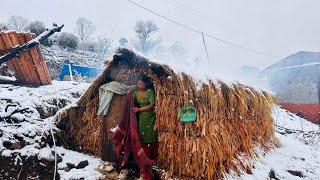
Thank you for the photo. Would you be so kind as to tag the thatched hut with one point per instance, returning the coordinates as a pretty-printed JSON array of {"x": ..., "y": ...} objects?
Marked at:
[{"x": 232, "y": 120}]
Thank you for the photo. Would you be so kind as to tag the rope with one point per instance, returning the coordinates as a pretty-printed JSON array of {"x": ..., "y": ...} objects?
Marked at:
[
  {"x": 205, "y": 48},
  {"x": 204, "y": 33}
]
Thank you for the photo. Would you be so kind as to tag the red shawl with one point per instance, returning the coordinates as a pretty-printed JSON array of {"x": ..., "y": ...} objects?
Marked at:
[{"x": 126, "y": 139}]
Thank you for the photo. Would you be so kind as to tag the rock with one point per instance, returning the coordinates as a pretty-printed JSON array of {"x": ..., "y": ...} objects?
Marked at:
[
  {"x": 110, "y": 175},
  {"x": 106, "y": 167},
  {"x": 82, "y": 164},
  {"x": 70, "y": 165},
  {"x": 296, "y": 173},
  {"x": 12, "y": 145},
  {"x": 37, "y": 145},
  {"x": 123, "y": 174},
  {"x": 102, "y": 177},
  {"x": 272, "y": 175},
  {"x": 59, "y": 158},
  {"x": 16, "y": 145},
  {"x": 66, "y": 169}
]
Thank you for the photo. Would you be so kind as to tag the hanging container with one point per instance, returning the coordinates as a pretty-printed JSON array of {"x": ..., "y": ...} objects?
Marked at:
[{"x": 187, "y": 114}]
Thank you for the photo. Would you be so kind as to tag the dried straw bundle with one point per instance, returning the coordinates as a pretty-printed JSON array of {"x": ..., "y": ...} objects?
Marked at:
[{"x": 231, "y": 120}]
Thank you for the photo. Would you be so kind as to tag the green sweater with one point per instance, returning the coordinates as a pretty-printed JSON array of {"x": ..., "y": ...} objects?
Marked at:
[{"x": 146, "y": 119}]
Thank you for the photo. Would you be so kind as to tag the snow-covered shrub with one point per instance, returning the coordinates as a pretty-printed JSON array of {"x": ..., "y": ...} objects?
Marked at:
[
  {"x": 68, "y": 40},
  {"x": 3, "y": 27},
  {"x": 36, "y": 27},
  {"x": 88, "y": 46},
  {"x": 123, "y": 42}
]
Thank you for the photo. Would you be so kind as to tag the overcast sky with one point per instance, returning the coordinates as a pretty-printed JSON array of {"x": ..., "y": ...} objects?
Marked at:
[{"x": 277, "y": 27}]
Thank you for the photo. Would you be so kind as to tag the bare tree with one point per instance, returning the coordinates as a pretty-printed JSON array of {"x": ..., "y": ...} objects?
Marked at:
[
  {"x": 103, "y": 47},
  {"x": 17, "y": 23},
  {"x": 84, "y": 28},
  {"x": 144, "y": 30}
]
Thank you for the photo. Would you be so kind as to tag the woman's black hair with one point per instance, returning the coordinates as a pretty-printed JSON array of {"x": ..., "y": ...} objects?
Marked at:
[{"x": 146, "y": 80}]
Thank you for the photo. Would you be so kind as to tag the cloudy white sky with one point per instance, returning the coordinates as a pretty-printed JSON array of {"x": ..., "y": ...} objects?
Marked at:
[{"x": 277, "y": 27}]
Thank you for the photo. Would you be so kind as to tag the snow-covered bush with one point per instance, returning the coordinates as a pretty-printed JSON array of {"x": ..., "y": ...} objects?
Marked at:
[
  {"x": 3, "y": 27},
  {"x": 36, "y": 27},
  {"x": 123, "y": 42},
  {"x": 88, "y": 46},
  {"x": 68, "y": 40}
]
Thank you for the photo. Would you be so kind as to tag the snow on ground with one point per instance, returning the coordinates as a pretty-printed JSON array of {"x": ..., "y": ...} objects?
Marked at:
[
  {"x": 286, "y": 119},
  {"x": 75, "y": 158},
  {"x": 31, "y": 98},
  {"x": 25, "y": 127},
  {"x": 299, "y": 152}
]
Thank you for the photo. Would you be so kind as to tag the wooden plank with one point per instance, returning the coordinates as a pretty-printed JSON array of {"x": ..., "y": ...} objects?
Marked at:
[
  {"x": 15, "y": 61},
  {"x": 2, "y": 50},
  {"x": 14, "y": 41},
  {"x": 30, "y": 61},
  {"x": 37, "y": 61},
  {"x": 3, "y": 47},
  {"x": 29, "y": 70},
  {"x": 44, "y": 65}
]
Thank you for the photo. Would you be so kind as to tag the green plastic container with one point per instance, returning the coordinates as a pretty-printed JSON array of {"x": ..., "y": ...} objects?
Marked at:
[{"x": 187, "y": 114}]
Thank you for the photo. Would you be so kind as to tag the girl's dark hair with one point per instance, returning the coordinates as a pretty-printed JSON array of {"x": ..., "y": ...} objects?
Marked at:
[{"x": 146, "y": 80}]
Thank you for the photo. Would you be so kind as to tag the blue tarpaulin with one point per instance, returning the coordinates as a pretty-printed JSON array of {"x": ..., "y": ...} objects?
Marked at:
[{"x": 80, "y": 71}]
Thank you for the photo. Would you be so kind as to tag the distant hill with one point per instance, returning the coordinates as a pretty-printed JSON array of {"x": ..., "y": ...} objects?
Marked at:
[
  {"x": 299, "y": 58},
  {"x": 296, "y": 78}
]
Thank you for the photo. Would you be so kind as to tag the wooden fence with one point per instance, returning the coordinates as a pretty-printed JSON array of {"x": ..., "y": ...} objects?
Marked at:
[{"x": 29, "y": 68}]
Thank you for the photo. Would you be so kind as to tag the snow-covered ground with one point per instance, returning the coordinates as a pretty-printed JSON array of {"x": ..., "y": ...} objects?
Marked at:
[
  {"x": 25, "y": 121},
  {"x": 299, "y": 152}
]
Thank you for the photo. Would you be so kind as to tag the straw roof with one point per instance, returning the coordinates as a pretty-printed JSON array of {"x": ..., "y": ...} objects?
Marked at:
[{"x": 232, "y": 120}]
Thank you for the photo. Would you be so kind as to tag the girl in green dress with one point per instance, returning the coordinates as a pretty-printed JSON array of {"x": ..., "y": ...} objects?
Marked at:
[{"x": 145, "y": 102}]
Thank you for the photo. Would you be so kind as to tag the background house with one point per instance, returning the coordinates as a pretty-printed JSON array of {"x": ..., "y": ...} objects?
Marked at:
[{"x": 296, "y": 82}]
